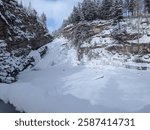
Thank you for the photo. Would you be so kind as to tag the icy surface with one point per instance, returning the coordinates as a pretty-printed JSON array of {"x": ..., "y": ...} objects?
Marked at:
[{"x": 56, "y": 85}]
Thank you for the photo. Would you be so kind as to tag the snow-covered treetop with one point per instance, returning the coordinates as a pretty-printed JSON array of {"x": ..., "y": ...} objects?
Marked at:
[{"x": 90, "y": 10}]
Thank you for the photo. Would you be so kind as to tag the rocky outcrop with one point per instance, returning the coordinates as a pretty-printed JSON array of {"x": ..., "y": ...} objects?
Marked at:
[
  {"x": 103, "y": 40},
  {"x": 141, "y": 49},
  {"x": 21, "y": 32},
  {"x": 86, "y": 29},
  {"x": 20, "y": 27}
]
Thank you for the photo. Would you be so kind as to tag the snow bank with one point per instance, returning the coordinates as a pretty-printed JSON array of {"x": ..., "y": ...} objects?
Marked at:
[{"x": 65, "y": 88}]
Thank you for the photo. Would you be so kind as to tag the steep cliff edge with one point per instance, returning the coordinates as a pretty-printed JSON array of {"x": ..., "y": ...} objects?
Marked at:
[{"x": 21, "y": 32}]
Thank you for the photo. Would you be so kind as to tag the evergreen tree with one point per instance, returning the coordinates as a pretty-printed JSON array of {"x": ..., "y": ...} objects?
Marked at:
[
  {"x": 82, "y": 18},
  {"x": 30, "y": 6},
  {"x": 132, "y": 6},
  {"x": 106, "y": 9},
  {"x": 75, "y": 16},
  {"x": 126, "y": 7},
  {"x": 147, "y": 5},
  {"x": 20, "y": 4},
  {"x": 118, "y": 10},
  {"x": 89, "y": 10},
  {"x": 43, "y": 18},
  {"x": 79, "y": 35},
  {"x": 65, "y": 23},
  {"x": 98, "y": 8}
]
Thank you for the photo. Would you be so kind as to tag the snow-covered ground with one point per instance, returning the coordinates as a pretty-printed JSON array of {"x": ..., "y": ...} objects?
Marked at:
[{"x": 58, "y": 84}]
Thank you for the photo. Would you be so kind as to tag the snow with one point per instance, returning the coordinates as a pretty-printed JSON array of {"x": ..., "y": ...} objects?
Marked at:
[
  {"x": 144, "y": 39},
  {"x": 9, "y": 14},
  {"x": 100, "y": 40},
  {"x": 9, "y": 63},
  {"x": 36, "y": 56},
  {"x": 57, "y": 53},
  {"x": 129, "y": 26},
  {"x": 56, "y": 85},
  {"x": 69, "y": 26},
  {"x": 22, "y": 34},
  {"x": 54, "y": 90}
]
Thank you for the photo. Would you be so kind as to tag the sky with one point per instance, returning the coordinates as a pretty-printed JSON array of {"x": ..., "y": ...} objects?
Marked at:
[{"x": 55, "y": 10}]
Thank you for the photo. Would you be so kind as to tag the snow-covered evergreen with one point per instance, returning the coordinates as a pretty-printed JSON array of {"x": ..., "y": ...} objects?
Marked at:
[{"x": 89, "y": 10}]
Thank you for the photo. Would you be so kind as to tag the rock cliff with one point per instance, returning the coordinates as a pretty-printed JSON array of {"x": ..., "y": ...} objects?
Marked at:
[
  {"x": 110, "y": 43},
  {"x": 21, "y": 32}
]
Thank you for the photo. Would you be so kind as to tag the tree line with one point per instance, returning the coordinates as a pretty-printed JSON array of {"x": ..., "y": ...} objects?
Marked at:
[
  {"x": 31, "y": 11},
  {"x": 90, "y": 10}
]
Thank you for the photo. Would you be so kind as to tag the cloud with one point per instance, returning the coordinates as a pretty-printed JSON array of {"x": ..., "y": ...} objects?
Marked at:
[{"x": 55, "y": 10}]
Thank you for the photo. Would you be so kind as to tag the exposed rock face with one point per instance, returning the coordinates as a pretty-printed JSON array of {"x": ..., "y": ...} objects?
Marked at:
[
  {"x": 20, "y": 28},
  {"x": 105, "y": 29},
  {"x": 103, "y": 40},
  {"x": 21, "y": 31},
  {"x": 141, "y": 49},
  {"x": 86, "y": 29}
]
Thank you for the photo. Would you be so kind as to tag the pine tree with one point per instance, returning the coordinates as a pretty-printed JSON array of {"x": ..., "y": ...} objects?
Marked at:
[
  {"x": 82, "y": 18},
  {"x": 118, "y": 10},
  {"x": 30, "y": 6},
  {"x": 79, "y": 35},
  {"x": 147, "y": 5},
  {"x": 98, "y": 8},
  {"x": 126, "y": 6},
  {"x": 106, "y": 9},
  {"x": 89, "y": 10},
  {"x": 65, "y": 23},
  {"x": 75, "y": 16},
  {"x": 43, "y": 18},
  {"x": 20, "y": 4},
  {"x": 132, "y": 6}
]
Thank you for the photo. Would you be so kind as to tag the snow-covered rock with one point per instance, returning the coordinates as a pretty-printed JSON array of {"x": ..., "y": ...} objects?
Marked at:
[
  {"x": 103, "y": 42},
  {"x": 21, "y": 32},
  {"x": 10, "y": 65}
]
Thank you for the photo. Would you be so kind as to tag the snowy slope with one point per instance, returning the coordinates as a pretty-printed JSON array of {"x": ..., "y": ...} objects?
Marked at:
[
  {"x": 57, "y": 53},
  {"x": 56, "y": 85}
]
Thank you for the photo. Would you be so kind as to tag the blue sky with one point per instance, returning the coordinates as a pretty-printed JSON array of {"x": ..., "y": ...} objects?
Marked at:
[{"x": 55, "y": 10}]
